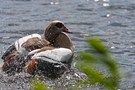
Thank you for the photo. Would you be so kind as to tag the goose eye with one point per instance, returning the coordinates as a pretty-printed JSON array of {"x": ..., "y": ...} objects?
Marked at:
[{"x": 59, "y": 25}]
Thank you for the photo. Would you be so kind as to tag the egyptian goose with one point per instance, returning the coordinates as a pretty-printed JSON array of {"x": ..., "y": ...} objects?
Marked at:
[{"x": 54, "y": 59}]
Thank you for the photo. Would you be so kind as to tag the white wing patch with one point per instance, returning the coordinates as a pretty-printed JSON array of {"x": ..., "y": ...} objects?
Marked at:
[
  {"x": 19, "y": 42},
  {"x": 58, "y": 54}
]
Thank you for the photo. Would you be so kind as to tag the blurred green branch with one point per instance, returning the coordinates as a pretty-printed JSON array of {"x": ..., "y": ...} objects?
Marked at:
[
  {"x": 99, "y": 56},
  {"x": 38, "y": 84}
]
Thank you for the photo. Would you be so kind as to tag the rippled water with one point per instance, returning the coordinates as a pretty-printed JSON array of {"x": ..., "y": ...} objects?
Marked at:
[{"x": 111, "y": 20}]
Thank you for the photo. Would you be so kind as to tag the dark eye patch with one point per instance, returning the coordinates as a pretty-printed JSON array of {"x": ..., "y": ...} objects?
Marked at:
[{"x": 59, "y": 25}]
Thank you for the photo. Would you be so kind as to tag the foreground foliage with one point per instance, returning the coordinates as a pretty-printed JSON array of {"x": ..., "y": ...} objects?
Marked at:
[
  {"x": 92, "y": 63},
  {"x": 38, "y": 85}
]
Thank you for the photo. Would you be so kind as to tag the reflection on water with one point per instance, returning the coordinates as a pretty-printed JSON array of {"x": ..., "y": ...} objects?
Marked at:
[{"x": 111, "y": 20}]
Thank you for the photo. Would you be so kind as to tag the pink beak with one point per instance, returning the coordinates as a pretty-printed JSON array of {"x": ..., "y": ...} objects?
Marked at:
[{"x": 67, "y": 30}]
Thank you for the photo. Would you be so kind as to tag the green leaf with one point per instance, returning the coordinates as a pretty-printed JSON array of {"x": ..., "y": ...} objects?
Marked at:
[
  {"x": 102, "y": 57},
  {"x": 38, "y": 85},
  {"x": 97, "y": 45},
  {"x": 86, "y": 57}
]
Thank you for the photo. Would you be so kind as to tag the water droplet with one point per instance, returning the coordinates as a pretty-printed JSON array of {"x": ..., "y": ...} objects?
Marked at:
[
  {"x": 54, "y": 3},
  {"x": 51, "y": 3},
  {"x": 76, "y": 75},
  {"x": 112, "y": 47},
  {"x": 68, "y": 77},
  {"x": 107, "y": 15},
  {"x": 106, "y": 4},
  {"x": 131, "y": 46},
  {"x": 96, "y": 0},
  {"x": 74, "y": 64},
  {"x": 106, "y": 0}
]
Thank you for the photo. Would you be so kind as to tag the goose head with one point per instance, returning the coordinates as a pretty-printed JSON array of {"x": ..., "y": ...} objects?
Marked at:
[{"x": 54, "y": 29}]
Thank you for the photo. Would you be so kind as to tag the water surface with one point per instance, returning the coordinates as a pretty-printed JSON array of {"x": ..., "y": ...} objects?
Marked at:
[{"x": 111, "y": 20}]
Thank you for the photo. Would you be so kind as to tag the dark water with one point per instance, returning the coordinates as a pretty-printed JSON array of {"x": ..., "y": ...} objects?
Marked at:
[{"x": 111, "y": 20}]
